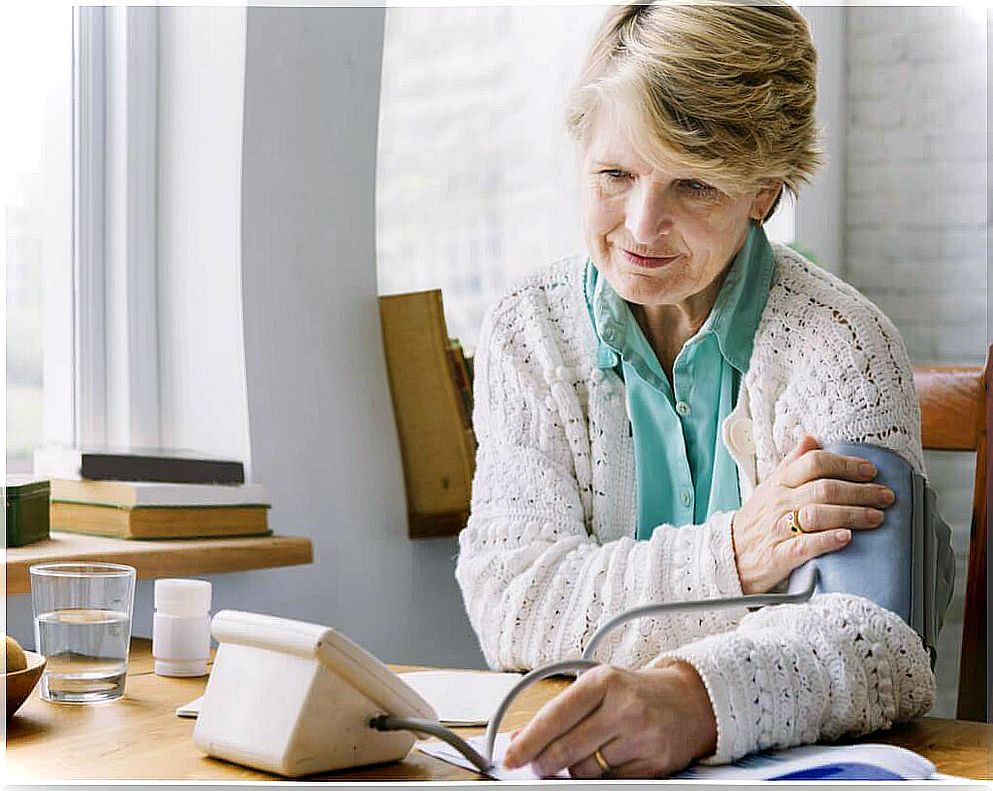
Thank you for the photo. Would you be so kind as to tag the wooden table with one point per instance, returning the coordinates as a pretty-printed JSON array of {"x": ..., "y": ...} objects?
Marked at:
[
  {"x": 160, "y": 558},
  {"x": 140, "y": 738}
]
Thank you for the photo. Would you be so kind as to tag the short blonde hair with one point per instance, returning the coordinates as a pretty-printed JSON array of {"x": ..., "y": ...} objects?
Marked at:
[{"x": 727, "y": 90}]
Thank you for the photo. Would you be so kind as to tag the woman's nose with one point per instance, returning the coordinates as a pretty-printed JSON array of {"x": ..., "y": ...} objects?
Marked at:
[{"x": 648, "y": 213}]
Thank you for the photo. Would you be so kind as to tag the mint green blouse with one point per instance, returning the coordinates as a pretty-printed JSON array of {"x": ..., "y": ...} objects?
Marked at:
[{"x": 684, "y": 472}]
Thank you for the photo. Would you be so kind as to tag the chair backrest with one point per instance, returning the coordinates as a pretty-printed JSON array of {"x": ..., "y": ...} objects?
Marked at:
[{"x": 956, "y": 412}]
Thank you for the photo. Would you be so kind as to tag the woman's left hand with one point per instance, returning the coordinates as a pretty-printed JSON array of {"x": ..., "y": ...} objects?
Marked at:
[{"x": 646, "y": 723}]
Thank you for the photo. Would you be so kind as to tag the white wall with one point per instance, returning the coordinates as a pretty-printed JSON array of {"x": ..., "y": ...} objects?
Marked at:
[
  {"x": 201, "y": 353},
  {"x": 819, "y": 222}
]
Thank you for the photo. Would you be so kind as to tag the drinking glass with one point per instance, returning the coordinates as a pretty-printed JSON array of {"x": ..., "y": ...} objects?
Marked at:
[{"x": 82, "y": 624}]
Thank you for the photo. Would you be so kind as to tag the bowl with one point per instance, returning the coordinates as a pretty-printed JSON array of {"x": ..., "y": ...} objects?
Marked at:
[{"x": 21, "y": 682}]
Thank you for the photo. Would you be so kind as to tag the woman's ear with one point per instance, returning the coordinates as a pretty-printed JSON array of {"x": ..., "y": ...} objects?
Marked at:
[{"x": 765, "y": 201}]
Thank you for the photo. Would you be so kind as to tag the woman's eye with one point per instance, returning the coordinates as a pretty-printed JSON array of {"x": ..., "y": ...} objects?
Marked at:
[
  {"x": 697, "y": 187},
  {"x": 614, "y": 174}
]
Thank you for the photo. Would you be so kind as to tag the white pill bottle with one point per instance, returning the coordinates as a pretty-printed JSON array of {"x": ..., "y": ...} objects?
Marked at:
[{"x": 181, "y": 627}]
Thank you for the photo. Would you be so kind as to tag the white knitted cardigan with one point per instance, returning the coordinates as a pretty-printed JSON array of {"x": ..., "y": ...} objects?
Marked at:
[{"x": 549, "y": 553}]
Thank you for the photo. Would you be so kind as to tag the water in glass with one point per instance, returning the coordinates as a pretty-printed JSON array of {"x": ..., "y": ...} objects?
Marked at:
[{"x": 87, "y": 652}]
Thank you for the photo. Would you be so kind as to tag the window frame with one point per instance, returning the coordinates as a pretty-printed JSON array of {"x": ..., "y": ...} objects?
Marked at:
[{"x": 116, "y": 360}]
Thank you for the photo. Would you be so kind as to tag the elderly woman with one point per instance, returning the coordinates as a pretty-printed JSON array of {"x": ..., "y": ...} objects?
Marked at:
[{"x": 650, "y": 418}]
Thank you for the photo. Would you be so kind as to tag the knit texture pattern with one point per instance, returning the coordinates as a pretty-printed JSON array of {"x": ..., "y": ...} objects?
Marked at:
[{"x": 548, "y": 554}]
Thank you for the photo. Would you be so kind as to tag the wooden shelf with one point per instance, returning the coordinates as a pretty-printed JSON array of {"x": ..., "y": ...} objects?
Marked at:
[{"x": 165, "y": 558}]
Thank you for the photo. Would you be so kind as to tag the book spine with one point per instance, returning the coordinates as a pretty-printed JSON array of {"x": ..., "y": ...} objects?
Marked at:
[
  {"x": 116, "y": 467},
  {"x": 463, "y": 381},
  {"x": 154, "y": 523},
  {"x": 457, "y": 366}
]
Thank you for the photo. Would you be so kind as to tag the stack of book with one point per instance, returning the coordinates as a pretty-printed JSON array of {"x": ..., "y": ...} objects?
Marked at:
[
  {"x": 431, "y": 384},
  {"x": 147, "y": 494}
]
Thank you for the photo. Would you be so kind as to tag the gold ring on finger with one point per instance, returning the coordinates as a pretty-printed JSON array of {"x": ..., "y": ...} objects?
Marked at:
[
  {"x": 793, "y": 522},
  {"x": 602, "y": 762}
]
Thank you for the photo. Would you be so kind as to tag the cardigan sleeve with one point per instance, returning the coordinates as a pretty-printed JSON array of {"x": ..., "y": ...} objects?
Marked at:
[
  {"x": 796, "y": 674},
  {"x": 536, "y": 584}
]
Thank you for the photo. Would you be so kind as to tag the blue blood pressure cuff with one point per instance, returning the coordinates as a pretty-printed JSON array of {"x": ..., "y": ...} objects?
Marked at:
[{"x": 906, "y": 564}]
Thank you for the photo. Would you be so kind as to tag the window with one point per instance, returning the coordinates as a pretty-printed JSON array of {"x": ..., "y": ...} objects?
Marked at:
[
  {"x": 476, "y": 182},
  {"x": 36, "y": 222},
  {"x": 475, "y": 174},
  {"x": 77, "y": 180}
]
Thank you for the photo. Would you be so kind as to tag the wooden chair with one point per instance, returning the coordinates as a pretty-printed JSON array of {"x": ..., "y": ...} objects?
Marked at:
[{"x": 956, "y": 412}]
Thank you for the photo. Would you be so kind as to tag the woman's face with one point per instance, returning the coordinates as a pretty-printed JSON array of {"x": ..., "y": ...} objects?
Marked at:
[{"x": 659, "y": 234}]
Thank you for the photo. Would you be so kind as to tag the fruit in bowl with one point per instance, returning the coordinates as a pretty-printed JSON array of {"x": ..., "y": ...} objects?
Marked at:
[{"x": 23, "y": 669}]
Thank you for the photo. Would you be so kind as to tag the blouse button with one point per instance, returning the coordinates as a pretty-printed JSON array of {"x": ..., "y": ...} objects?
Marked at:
[
  {"x": 741, "y": 437},
  {"x": 686, "y": 497},
  {"x": 682, "y": 408}
]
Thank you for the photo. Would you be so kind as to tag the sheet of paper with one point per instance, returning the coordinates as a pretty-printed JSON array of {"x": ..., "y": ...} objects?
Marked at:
[
  {"x": 844, "y": 762},
  {"x": 448, "y": 753},
  {"x": 461, "y": 698}
]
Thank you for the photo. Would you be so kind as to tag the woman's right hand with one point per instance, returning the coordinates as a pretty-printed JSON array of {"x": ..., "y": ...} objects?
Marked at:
[{"x": 834, "y": 495}]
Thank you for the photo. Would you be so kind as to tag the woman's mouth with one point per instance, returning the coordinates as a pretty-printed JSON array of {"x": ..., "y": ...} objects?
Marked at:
[{"x": 648, "y": 262}]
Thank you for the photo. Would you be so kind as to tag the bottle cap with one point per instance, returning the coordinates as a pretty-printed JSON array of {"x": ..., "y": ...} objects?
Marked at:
[{"x": 182, "y": 597}]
